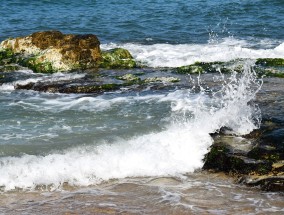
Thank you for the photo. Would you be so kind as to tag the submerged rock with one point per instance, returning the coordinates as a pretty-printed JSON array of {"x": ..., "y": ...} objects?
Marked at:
[
  {"x": 270, "y": 67},
  {"x": 211, "y": 67},
  {"x": 129, "y": 78},
  {"x": 161, "y": 79},
  {"x": 63, "y": 87}
]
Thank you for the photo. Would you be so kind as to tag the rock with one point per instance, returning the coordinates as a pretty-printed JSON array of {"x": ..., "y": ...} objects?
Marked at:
[
  {"x": 162, "y": 79},
  {"x": 10, "y": 67},
  {"x": 129, "y": 78},
  {"x": 266, "y": 182},
  {"x": 117, "y": 58},
  {"x": 52, "y": 51},
  {"x": 63, "y": 87},
  {"x": 260, "y": 164},
  {"x": 211, "y": 67},
  {"x": 221, "y": 158},
  {"x": 270, "y": 67},
  {"x": 6, "y": 56},
  {"x": 270, "y": 61}
]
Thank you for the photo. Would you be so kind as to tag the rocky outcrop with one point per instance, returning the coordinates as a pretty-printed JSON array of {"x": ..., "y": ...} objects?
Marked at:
[
  {"x": 53, "y": 51},
  {"x": 255, "y": 159}
]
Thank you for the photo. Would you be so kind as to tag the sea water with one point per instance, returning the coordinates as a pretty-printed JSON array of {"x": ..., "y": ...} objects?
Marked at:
[{"x": 136, "y": 152}]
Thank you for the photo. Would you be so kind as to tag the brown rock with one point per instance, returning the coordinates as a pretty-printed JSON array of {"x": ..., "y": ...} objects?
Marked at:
[{"x": 61, "y": 52}]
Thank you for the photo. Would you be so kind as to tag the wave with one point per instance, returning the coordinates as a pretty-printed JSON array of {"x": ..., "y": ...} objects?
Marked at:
[
  {"x": 178, "y": 149},
  {"x": 40, "y": 77},
  {"x": 168, "y": 55}
]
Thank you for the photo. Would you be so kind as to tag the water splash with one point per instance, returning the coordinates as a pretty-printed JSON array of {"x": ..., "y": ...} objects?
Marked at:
[{"x": 177, "y": 149}]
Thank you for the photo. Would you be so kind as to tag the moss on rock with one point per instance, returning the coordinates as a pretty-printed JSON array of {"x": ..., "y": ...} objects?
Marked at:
[
  {"x": 52, "y": 51},
  {"x": 6, "y": 56},
  {"x": 270, "y": 61},
  {"x": 221, "y": 158},
  {"x": 202, "y": 67},
  {"x": 129, "y": 78},
  {"x": 117, "y": 58},
  {"x": 162, "y": 79}
]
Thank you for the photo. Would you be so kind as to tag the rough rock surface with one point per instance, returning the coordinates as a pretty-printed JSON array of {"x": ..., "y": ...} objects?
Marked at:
[
  {"x": 117, "y": 58},
  {"x": 54, "y": 51},
  {"x": 256, "y": 159}
]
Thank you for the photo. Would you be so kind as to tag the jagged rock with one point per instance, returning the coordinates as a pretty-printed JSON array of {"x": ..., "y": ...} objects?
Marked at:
[
  {"x": 261, "y": 162},
  {"x": 52, "y": 51},
  {"x": 222, "y": 158}
]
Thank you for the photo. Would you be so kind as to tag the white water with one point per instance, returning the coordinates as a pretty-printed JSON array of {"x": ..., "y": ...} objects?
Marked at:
[
  {"x": 176, "y": 150},
  {"x": 40, "y": 77},
  {"x": 167, "y": 55}
]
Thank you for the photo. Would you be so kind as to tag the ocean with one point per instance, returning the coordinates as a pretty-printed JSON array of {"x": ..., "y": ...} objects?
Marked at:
[{"x": 129, "y": 151}]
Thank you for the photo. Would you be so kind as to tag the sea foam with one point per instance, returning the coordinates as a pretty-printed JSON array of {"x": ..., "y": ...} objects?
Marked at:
[
  {"x": 169, "y": 55},
  {"x": 40, "y": 77},
  {"x": 178, "y": 149}
]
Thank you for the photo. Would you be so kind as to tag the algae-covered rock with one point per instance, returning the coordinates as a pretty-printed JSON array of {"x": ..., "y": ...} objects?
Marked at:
[
  {"x": 270, "y": 61},
  {"x": 117, "y": 58},
  {"x": 258, "y": 160},
  {"x": 6, "y": 56},
  {"x": 270, "y": 67},
  {"x": 59, "y": 87},
  {"x": 53, "y": 51},
  {"x": 10, "y": 67},
  {"x": 190, "y": 69},
  {"x": 202, "y": 67},
  {"x": 221, "y": 158},
  {"x": 161, "y": 79},
  {"x": 129, "y": 78}
]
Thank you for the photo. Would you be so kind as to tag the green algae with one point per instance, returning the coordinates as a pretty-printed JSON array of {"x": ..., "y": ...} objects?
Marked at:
[
  {"x": 117, "y": 58},
  {"x": 161, "y": 79},
  {"x": 270, "y": 61},
  {"x": 6, "y": 56},
  {"x": 203, "y": 67},
  {"x": 38, "y": 67}
]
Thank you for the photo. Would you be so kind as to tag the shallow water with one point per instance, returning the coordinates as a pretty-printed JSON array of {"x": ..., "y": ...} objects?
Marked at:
[
  {"x": 96, "y": 161},
  {"x": 199, "y": 193},
  {"x": 87, "y": 139}
]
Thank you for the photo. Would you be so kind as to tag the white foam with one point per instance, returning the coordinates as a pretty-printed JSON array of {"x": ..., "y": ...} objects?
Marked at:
[
  {"x": 64, "y": 102},
  {"x": 167, "y": 55},
  {"x": 40, "y": 77},
  {"x": 176, "y": 150}
]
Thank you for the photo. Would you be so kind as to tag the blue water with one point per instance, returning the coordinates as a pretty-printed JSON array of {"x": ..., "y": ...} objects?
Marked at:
[
  {"x": 147, "y": 22},
  {"x": 127, "y": 137}
]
